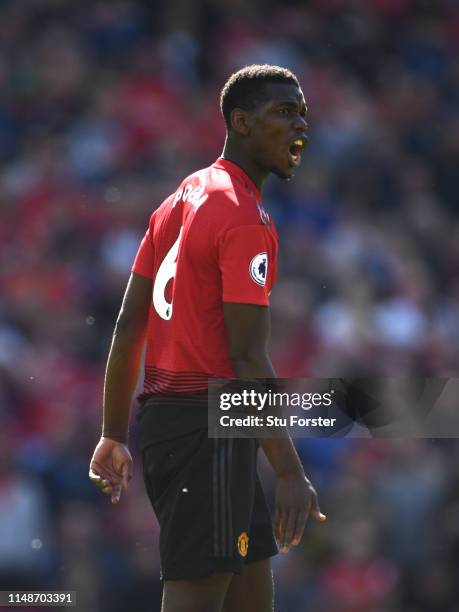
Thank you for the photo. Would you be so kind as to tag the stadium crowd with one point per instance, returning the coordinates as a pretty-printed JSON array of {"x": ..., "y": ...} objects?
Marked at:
[{"x": 104, "y": 107}]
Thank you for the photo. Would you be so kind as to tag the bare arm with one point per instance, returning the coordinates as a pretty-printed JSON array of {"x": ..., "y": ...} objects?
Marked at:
[
  {"x": 248, "y": 328},
  {"x": 111, "y": 463},
  {"x": 124, "y": 358}
]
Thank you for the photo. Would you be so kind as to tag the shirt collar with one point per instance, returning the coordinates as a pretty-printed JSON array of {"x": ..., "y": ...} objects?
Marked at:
[{"x": 232, "y": 168}]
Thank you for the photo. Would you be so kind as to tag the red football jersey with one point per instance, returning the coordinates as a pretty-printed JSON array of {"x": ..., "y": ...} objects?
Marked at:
[{"x": 210, "y": 242}]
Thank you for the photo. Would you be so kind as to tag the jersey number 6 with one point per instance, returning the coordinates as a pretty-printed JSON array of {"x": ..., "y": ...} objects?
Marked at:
[{"x": 166, "y": 271}]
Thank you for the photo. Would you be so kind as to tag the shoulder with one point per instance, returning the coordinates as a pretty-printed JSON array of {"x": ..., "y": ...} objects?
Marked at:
[{"x": 229, "y": 199}]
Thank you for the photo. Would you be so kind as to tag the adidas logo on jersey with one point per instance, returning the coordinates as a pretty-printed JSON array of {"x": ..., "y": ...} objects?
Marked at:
[{"x": 264, "y": 216}]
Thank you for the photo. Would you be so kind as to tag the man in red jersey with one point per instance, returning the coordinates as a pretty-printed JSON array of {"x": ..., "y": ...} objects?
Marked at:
[{"x": 199, "y": 295}]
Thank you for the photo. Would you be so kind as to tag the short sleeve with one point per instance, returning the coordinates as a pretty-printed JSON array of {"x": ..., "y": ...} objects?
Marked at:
[
  {"x": 247, "y": 264},
  {"x": 144, "y": 259}
]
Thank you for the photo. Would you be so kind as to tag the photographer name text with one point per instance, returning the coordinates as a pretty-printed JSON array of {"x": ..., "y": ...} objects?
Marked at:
[{"x": 274, "y": 421}]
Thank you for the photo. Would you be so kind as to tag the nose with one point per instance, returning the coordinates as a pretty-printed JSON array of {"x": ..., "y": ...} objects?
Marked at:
[{"x": 300, "y": 123}]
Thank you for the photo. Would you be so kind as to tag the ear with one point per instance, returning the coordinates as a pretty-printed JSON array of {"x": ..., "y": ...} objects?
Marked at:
[{"x": 240, "y": 121}]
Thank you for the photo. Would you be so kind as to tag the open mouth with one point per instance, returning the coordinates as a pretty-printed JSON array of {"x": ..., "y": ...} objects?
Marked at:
[{"x": 295, "y": 150}]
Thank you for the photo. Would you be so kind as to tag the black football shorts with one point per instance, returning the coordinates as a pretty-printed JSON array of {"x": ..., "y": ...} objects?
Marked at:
[{"x": 207, "y": 497}]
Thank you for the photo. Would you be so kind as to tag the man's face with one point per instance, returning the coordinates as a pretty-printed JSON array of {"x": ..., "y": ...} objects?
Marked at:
[{"x": 279, "y": 130}]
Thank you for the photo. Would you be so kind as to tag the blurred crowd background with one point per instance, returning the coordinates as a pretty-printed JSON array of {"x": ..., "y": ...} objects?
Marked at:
[{"x": 104, "y": 107}]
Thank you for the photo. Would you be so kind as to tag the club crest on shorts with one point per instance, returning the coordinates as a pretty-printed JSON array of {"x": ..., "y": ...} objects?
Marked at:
[
  {"x": 243, "y": 544},
  {"x": 258, "y": 269}
]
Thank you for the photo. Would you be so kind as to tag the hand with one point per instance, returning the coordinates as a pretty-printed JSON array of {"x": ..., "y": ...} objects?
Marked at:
[
  {"x": 111, "y": 468},
  {"x": 296, "y": 501}
]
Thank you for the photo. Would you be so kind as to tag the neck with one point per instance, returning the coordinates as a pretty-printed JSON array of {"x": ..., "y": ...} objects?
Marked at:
[{"x": 234, "y": 152}]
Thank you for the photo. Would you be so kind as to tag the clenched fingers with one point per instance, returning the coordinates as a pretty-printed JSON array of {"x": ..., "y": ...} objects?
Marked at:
[
  {"x": 103, "y": 484},
  {"x": 107, "y": 487}
]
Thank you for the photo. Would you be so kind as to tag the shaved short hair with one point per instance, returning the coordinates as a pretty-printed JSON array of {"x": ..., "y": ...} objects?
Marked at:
[{"x": 246, "y": 88}]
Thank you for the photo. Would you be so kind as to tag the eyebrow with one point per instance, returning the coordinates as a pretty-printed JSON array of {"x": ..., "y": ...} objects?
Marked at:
[{"x": 291, "y": 103}]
